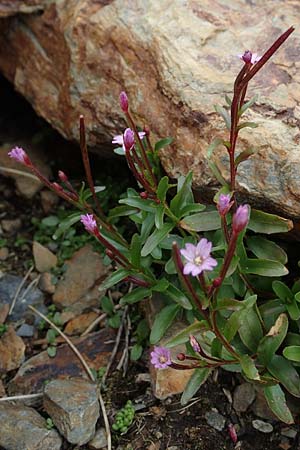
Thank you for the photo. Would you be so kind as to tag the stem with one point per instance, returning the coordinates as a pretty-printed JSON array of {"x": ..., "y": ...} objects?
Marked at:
[
  {"x": 225, "y": 228},
  {"x": 221, "y": 337},
  {"x": 87, "y": 166},
  {"x": 110, "y": 247}
]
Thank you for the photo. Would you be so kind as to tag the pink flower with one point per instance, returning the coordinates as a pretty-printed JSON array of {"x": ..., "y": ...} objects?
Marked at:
[
  {"x": 118, "y": 139},
  {"x": 249, "y": 57},
  {"x": 128, "y": 139},
  {"x": 18, "y": 154},
  {"x": 123, "y": 101},
  {"x": 161, "y": 357},
  {"x": 240, "y": 218},
  {"x": 198, "y": 258},
  {"x": 89, "y": 223},
  {"x": 195, "y": 344},
  {"x": 224, "y": 204}
]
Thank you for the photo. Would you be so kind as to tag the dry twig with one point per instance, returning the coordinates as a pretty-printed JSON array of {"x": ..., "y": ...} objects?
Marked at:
[{"x": 19, "y": 290}]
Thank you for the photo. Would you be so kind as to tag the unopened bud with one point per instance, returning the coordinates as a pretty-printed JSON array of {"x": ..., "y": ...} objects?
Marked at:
[
  {"x": 180, "y": 356},
  {"x": 247, "y": 56},
  {"x": 195, "y": 344},
  {"x": 240, "y": 218},
  {"x": 62, "y": 176},
  {"x": 57, "y": 187},
  {"x": 128, "y": 139},
  {"x": 144, "y": 195},
  {"x": 217, "y": 282},
  {"x": 123, "y": 101},
  {"x": 147, "y": 130},
  {"x": 224, "y": 204}
]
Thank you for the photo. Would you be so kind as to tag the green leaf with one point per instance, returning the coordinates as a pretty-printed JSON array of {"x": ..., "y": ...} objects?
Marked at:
[
  {"x": 282, "y": 291},
  {"x": 147, "y": 225},
  {"x": 249, "y": 367},
  {"x": 192, "y": 208},
  {"x": 284, "y": 371},
  {"x": 51, "y": 350},
  {"x": 114, "y": 321},
  {"x": 121, "y": 211},
  {"x": 247, "y": 125},
  {"x": 136, "y": 352},
  {"x": 184, "y": 334},
  {"x": 159, "y": 216},
  {"x": 234, "y": 322},
  {"x": 292, "y": 353},
  {"x": 66, "y": 224},
  {"x": 163, "y": 143},
  {"x": 247, "y": 105},
  {"x": 292, "y": 339},
  {"x": 270, "y": 310},
  {"x": 162, "y": 189},
  {"x": 155, "y": 238},
  {"x": 264, "y": 267},
  {"x": 205, "y": 221},
  {"x": 143, "y": 204},
  {"x": 243, "y": 156},
  {"x": 277, "y": 403},
  {"x": 161, "y": 285},
  {"x": 51, "y": 336},
  {"x": 266, "y": 223},
  {"x": 215, "y": 143},
  {"x": 270, "y": 343},
  {"x": 265, "y": 249},
  {"x": 250, "y": 330},
  {"x": 224, "y": 114},
  {"x": 162, "y": 322},
  {"x": 215, "y": 170},
  {"x": 178, "y": 296},
  {"x": 119, "y": 151},
  {"x": 228, "y": 100},
  {"x": 107, "y": 305},
  {"x": 195, "y": 382},
  {"x": 293, "y": 310},
  {"x": 115, "y": 278},
  {"x": 136, "y": 295},
  {"x": 184, "y": 194},
  {"x": 135, "y": 250},
  {"x": 50, "y": 221}
]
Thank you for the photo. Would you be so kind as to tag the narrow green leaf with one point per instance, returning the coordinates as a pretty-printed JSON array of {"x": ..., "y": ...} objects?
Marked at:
[
  {"x": 135, "y": 250},
  {"x": 163, "y": 143},
  {"x": 135, "y": 296},
  {"x": 265, "y": 249},
  {"x": 249, "y": 368},
  {"x": 161, "y": 285},
  {"x": 270, "y": 343},
  {"x": 159, "y": 216},
  {"x": 183, "y": 336},
  {"x": 162, "y": 322},
  {"x": 270, "y": 310},
  {"x": 247, "y": 125},
  {"x": 205, "y": 221},
  {"x": 136, "y": 352},
  {"x": 66, "y": 224},
  {"x": 147, "y": 226},
  {"x": 195, "y": 382},
  {"x": 184, "y": 194},
  {"x": 285, "y": 372},
  {"x": 243, "y": 156},
  {"x": 266, "y": 223},
  {"x": 247, "y": 105},
  {"x": 123, "y": 210},
  {"x": 292, "y": 353},
  {"x": 264, "y": 267},
  {"x": 250, "y": 330},
  {"x": 155, "y": 238},
  {"x": 224, "y": 114},
  {"x": 192, "y": 208},
  {"x": 140, "y": 203},
  {"x": 178, "y": 296},
  {"x": 293, "y": 310},
  {"x": 282, "y": 291},
  {"x": 162, "y": 188},
  {"x": 115, "y": 278},
  {"x": 277, "y": 403},
  {"x": 107, "y": 305},
  {"x": 215, "y": 143},
  {"x": 215, "y": 170}
]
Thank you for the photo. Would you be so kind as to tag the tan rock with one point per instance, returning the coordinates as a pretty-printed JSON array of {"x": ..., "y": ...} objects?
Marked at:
[
  {"x": 4, "y": 309},
  {"x": 49, "y": 200},
  {"x": 80, "y": 323},
  {"x": 2, "y": 389},
  {"x": 176, "y": 60},
  {"x": 4, "y": 253},
  {"x": 11, "y": 226},
  {"x": 46, "y": 284},
  {"x": 12, "y": 350},
  {"x": 11, "y": 7},
  {"x": 44, "y": 259},
  {"x": 79, "y": 286}
]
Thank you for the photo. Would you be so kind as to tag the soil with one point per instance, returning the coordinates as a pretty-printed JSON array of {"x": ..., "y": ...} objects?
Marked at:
[{"x": 158, "y": 425}]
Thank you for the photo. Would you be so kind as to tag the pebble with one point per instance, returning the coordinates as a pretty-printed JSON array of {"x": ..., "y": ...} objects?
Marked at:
[
  {"x": 24, "y": 428},
  {"x": 263, "y": 427},
  {"x": 12, "y": 350},
  {"x": 25, "y": 330},
  {"x": 99, "y": 441},
  {"x": 243, "y": 397},
  {"x": 11, "y": 226},
  {"x": 44, "y": 259},
  {"x": 45, "y": 283},
  {"x": 215, "y": 419},
  {"x": 289, "y": 432},
  {"x": 73, "y": 406},
  {"x": 4, "y": 252}
]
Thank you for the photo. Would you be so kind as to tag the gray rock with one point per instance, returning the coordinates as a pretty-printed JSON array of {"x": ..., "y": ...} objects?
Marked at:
[
  {"x": 8, "y": 287},
  {"x": 215, "y": 419},
  {"x": 23, "y": 428},
  {"x": 99, "y": 441},
  {"x": 73, "y": 406},
  {"x": 289, "y": 432},
  {"x": 243, "y": 397},
  {"x": 25, "y": 330},
  {"x": 263, "y": 427}
]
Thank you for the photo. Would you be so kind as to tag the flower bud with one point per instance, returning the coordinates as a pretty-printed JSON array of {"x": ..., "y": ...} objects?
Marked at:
[
  {"x": 89, "y": 223},
  {"x": 217, "y": 282},
  {"x": 224, "y": 204},
  {"x": 195, "y": 344},
  {"x": 144, "y": 195},
  {"x": 247, "y": 56},
  {"x": 180, "y": 356},
  {"x": 62, "y": 176},
  {"x": 240, "y": 218},
  {"x": 123, "y": 101},
  {"x": 18, "y": 154},
  {"x": 128, "y": 139},
  {"x": 57, "y": 187}
]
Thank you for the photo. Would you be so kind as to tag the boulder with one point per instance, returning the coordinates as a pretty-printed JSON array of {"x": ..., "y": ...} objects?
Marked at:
[
  {"x": 11, "y": 7},
  {"x": 176, "y": 60}
]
